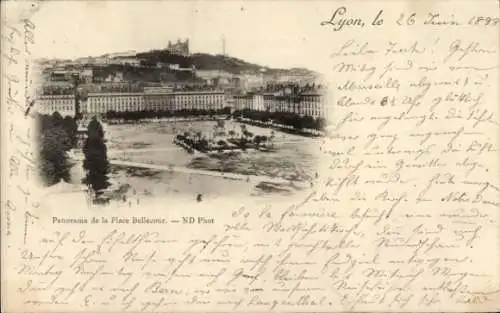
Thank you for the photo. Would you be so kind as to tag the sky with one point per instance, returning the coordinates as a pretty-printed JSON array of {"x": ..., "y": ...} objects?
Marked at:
[
  {"x": 279, "y": 33},
  {"x": 276, "y": 34}
]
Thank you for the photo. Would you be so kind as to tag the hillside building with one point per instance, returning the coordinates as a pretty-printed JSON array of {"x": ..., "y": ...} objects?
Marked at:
[{"x": 179, "y": 47}]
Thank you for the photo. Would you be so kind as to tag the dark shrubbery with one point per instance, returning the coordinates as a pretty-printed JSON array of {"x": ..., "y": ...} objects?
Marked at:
[{"x": 55, "y": 137}]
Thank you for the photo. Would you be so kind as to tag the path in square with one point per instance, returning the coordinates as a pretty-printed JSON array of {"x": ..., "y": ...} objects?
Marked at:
[{"x": 185, "y": 170}]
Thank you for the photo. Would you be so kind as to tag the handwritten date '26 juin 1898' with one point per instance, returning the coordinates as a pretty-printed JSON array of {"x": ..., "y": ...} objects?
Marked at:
[{"x": 341, "y": 20}]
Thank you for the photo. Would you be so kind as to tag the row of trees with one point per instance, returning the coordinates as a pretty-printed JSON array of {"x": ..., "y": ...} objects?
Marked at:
[
  {"x": 55, "y": 136},
  {"x": 137, "y": 115},
  {"x": 283, "y": 118}
]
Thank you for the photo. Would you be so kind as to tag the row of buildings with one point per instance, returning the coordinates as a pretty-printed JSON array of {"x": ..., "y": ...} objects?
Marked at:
[
  {"x": 310, "y": 103},
  {"x": 88, "y": 75},
  {"x": 101, "y": 103}
]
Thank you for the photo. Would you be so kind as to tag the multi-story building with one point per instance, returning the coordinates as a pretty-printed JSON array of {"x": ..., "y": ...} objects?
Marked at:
[
  {"x": 308, "y": 103},
  {"x": 253, "y": 101},
  {"x": 258, "y": 102},
  {"x": 199, "y": 100},
  {"x": 249, "y": 81},
  {"x": 100, "y": 103},
  {"x": 68, "y": 75},
  {"x": 312, "y": 104},
  {"x": 269, "y": 103},
  {"x": 159, "y": 98},
  {"x": 162, "y": 99},
  {"x": 115, "y": 77},
  {"x": 208, "y": 75},
  {"x": 63, "y": 75},
  {"x": 48, "y": 104},
  {"x": 159, "y": 102},
  {"x": 87, "y": 75},
  {"x": 280, "y": 103},
  {"x": 132, "y": 61},
  {"x": 242, "y": 102}
]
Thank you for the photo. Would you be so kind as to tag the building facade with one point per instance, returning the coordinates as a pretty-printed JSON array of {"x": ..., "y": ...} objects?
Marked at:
[
  {"x": 48, "y": 104},
  {"x": 126, "y": 61},
  {"x": 154, "y": 100},
  {"x": 159, "y": 102},
  {"x": 199, "y": 100},
  {"x": 258, "y": 102},
  {"x": 87, "y": 75},
  {"x": 310, "y": 103},
  {"x": 242, "y": 102},
  {"x": 269, "y": 102},
  {"x": 116, "y": 77},
  {"x": 249, "y": 81},
  {"x": 313, "y": 104},
  {"x": 100, "y": 103}
]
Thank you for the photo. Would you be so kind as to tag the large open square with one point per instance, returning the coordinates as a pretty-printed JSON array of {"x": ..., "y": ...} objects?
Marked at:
[{"x": 145, "y": 158}]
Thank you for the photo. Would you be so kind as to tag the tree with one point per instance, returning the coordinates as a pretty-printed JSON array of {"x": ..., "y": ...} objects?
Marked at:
[
  {"x": 44, "y": 123},
  {"x": 198, "y": 135},
  {"x": 48, "y": 172},
  {"x": 57, "y": 119},
  {"x": 257, "y": 140},
  {"x": 309, "y": 122},
  {"x": 70, "y": 126},
  {"x": 247, "y": 134},
  {"x": 54, "y": 164},
  {"x": 94, "y": 129},
  {"x": 203, "y": 145},
  {"x": 76, "y": 83},
  {"x": 263, "y": 139},
  {"x": 96, "y": 161},
  {"x": 53, "y": 142},
  {"x": 320, "y": 123},
  {"x": 220, "y": 124}
]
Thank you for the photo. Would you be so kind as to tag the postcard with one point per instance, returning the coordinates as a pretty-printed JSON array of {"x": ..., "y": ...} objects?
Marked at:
[{"x": 250, "y": 156}]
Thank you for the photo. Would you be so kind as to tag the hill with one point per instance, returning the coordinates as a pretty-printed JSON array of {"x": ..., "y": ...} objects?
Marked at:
[
  {"x": 151, "y": 68},
  {"x": 205, "y": 61},
  {"x": 143, "y": 73},
  {"x": 155, "y": 56}
]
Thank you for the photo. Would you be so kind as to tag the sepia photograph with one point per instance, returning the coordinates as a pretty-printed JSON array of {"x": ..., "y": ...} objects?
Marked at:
[
  {"x": 192, "y": 114},
  {"x": 250, "y": 156}
]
